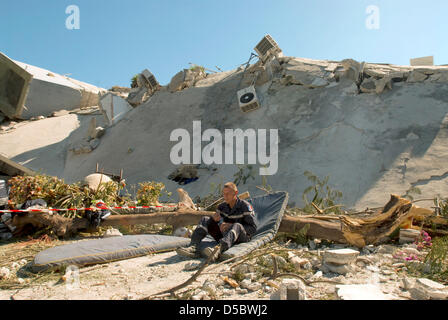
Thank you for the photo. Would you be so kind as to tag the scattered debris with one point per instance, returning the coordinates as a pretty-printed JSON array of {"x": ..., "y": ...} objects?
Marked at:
[{"x": 4, "y": 273}]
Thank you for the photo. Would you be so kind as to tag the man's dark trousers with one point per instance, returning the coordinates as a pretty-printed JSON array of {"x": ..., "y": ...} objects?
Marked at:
[{"x": 235, "y": 234}]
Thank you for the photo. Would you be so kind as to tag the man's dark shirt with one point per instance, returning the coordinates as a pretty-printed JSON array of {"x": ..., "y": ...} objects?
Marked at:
[{"x": 242, "y": 212}]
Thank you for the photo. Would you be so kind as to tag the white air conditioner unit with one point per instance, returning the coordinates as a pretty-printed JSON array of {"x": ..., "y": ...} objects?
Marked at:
[
  {"x": 247, "y": 99},
  {"x": 267, "y": 47},
  {"x": 150, "y": 78}
]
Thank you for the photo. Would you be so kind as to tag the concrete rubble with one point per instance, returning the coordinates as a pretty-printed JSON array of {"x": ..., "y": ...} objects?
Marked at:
[
  {"x": 113, "y": 108},
  {"x": 361, "y": 292},
  {"x": 145, "y": 86},
  {"x": 27, "y": 91},
  {"x": 339, "y": 260},
  {"x": 186, "y": 78},
  {"x": 409, "y": 235},
  {"x": 426, "y": 289},
  {"x": 323, "y": 104},
  {"x": 290, "y": 289},
  {"x": 112, "y": 233}
]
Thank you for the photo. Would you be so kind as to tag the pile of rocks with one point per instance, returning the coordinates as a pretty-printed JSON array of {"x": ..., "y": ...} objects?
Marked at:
[{"x": 366, "y": 77}]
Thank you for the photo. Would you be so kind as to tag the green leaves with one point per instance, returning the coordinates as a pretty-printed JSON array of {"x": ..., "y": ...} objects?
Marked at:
[
  {"x": 149, "y": 192},
  {"x": 243, "y": 174},
  {"x": 322, "y": 195}
]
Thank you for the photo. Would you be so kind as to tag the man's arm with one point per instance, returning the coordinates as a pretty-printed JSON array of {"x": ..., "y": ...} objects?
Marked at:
[{"x": 249, "y": 218}]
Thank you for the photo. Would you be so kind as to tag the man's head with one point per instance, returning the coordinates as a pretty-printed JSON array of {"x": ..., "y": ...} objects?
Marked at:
[{"x": 229, "y": 192}]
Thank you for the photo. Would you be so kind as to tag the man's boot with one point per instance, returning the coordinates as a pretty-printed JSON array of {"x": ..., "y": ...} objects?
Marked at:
[
  {"x": 211, "y": 251},
  {"x": 192, "y": 251}
]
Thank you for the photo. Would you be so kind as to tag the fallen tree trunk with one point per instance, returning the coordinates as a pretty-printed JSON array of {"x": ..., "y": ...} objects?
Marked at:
[
  {"x": 355, "y": 231},
  {"x": 398, "y": 212}
]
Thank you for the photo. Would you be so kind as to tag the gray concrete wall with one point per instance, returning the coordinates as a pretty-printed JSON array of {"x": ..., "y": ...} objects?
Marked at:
[{"x": 45, "y": 97}]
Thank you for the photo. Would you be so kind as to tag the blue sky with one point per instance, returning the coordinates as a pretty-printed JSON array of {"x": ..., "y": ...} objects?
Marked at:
[{"x": 118, "y": 39}]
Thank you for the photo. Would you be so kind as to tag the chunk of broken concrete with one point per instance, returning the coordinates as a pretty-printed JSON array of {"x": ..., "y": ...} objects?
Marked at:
[
  {"x": 81, "y": 147},
  {"x": 439, "y": 77},
  {"x": 432, "y": 289},
  {"x": 186, "y": 78},
  {"x": 94, "y": 143},
  {"x": 112, "y": 233},
  {"x": 336, "y": 268},
  {"x": 290, "y": 289},
  {"x": 352, "y": 69},
  {"x": 138, "y": 95},
  {"x": 114, "y": 107},
  {"x": 95, "y": 179},
  {"x": 340, "y": 256},
  {"x": 91, "y": 131},
  {"x": 371, "y": 85},
  {"x": 361, "y": 292},
  {"x": 298, "y": 77},
  {"x": 99, "y": 132},
  {"x": 417, "y": 76},
  {"x": 41, "y": 91},
  {"x": 297, "y": 261},
  {"x": 408, "y": 235}
]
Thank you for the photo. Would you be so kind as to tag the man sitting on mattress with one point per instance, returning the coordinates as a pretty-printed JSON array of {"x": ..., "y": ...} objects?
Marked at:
[{"x": 233, "y": 223}]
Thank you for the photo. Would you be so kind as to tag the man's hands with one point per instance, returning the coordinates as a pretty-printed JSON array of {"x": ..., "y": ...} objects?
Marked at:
[
  {"x": 225, "y": 226},
  {"x": 216, "y": 217}
]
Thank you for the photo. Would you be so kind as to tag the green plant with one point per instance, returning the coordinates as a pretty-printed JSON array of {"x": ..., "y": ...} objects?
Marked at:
[
  {"x": 195, "y": 67},
  {"x": 244, "y": 172},
  {"x": 264, "y": 184},
  {"x": 134, "y": 81},
  {"x": 300, "y": 237},
  {"x": 442, "y": 206},
  {"x": 413, "y": 190},
  {"x": 58, "y": 194},
  {"x": 437, "y": 256},
  {"x": 238, "y": 276},
  {"x": 323, "y": 197},
  {"x": 149, "y": 192}
]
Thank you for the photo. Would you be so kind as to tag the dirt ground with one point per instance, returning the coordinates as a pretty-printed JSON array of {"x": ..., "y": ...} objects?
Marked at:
[{"x": 145, "y": 276}]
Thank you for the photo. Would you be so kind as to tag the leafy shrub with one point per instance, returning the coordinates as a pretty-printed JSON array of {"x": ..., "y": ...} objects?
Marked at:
[
  {"x": 149, "y": 192},
  {"x": 58, "y": 194},
  {"x": 324, "y": 196}
]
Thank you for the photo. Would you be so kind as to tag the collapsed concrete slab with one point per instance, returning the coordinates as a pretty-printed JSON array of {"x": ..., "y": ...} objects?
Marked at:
[
  {"x": 27, "y": 91},
  {"x": 12, "y": 168},
  {"x": 423, "y": 61},
  {"x": 113, "y": 107},
  {"x": 14, "y": 85}
]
